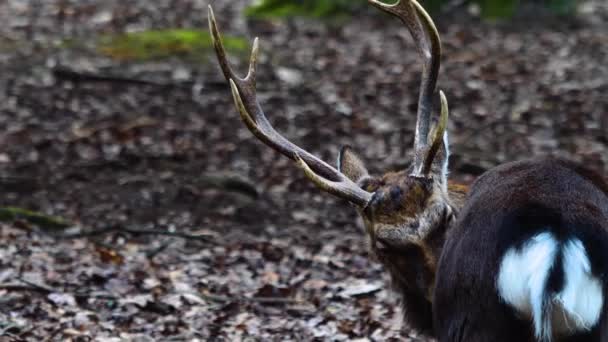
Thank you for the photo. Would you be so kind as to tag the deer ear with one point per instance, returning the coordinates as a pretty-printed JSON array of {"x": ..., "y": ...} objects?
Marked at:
[{"x": 351, "y": 165}]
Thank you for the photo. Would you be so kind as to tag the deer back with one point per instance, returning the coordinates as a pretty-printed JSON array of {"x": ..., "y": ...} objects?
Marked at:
[{"x": 527, "y": 258}]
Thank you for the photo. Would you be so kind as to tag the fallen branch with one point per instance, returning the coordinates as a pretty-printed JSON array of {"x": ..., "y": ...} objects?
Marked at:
[
  {"x": 26, "y": 285},
  {"x": 67, "y": 74},
  {"x": 64, "y": 73},
  {"x": 21, "y": 287},
  {"x": 242, "y": 299},
  {"x": 198, "y": 237},
  {"x": 39, "y": 287},
  {"x": 154, "y": 252},
  {"x": 10, "y": 214},
  {"x": 43, "y": 221},
  {"x": 134, "y": 231},
  {"x": 5, "y": 331}
]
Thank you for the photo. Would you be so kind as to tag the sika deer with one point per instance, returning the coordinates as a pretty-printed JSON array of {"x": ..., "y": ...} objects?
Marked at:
[{"x": 524, "y": 257}]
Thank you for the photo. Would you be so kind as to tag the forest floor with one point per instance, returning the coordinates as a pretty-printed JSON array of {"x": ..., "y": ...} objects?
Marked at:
[{"x": 173, "y": 223}]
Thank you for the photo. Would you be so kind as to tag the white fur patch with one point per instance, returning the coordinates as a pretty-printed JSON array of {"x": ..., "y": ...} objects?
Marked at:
[
  {"x": 582, "y": 298},
  {"x": 522, "y": 283},
  {"x": 523, "y": 276},
  {"x": 444, "y": 167}
]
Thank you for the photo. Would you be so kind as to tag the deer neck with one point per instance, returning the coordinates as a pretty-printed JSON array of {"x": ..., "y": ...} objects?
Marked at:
[
  {"x": 421, "y": 259},
  {"x": 433, "y": 244}
]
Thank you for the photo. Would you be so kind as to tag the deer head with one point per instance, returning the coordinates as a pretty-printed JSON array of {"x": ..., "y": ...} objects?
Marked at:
[
  {"x": 400, "y": 206},
  {"x": 406, "y": 213}
]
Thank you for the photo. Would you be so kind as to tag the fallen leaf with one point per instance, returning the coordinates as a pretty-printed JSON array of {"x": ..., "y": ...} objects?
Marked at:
[
  {"x": 109, "y": 256},
  {"x": 362, "y": 289},
  {"x": 62, "y": 299}
]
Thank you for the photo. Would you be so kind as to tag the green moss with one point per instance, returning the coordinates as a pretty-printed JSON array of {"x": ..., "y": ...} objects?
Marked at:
[
  {"x": 158, "y": 44},
  {"x": 304, "y": 8},
  {"x": 9, "y": 214},
  {"x": 497, "y": 9}
]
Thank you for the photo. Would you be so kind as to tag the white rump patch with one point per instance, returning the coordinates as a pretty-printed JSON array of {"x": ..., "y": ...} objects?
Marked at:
[
  {"x": 522, "y": 283},
  {"x": 523, "y": 277}
]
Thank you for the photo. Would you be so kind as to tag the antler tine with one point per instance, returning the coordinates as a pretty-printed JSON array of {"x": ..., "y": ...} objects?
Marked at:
[
  {"x": 426, "y": 37},
  {"x": 344, "y": 188},
  {"x": 244, "y": 94},
  {"x": 439, "y": 132}
]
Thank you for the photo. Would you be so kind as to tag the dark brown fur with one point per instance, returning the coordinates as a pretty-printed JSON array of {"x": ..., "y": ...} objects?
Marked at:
[
  {"x": 505, "y": 206},
  {"x": 446, "y": 272}
]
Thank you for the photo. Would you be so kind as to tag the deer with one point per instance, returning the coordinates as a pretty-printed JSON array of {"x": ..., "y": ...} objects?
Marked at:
[{"x": 519, "y": 255}]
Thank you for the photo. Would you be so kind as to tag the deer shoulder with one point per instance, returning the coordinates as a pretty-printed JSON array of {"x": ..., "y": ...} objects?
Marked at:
[{"x": 520, "y": 256}]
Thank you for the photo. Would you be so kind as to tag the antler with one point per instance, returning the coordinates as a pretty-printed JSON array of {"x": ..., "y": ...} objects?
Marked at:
[
  {"x": 244, "y": 93},
  {"x": 426, "y": 37}
]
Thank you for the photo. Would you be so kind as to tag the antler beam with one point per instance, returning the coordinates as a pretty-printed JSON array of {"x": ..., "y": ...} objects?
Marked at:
[
  {"x": 426, "y": 37},
  {"x": 244, "y": 93}
]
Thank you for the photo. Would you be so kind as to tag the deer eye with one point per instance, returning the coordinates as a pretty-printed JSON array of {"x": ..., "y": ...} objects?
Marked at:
[{"x": 395, "y": 193}]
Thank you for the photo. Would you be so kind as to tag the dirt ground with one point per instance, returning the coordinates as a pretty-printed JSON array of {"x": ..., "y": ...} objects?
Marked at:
[{"x": 181, "y": 226}]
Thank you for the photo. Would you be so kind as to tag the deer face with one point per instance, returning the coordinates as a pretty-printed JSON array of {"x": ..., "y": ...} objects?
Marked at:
[{"x": 404, "y": 209}]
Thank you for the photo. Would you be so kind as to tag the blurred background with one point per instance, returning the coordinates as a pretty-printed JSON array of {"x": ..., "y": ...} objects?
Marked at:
[{"x": 135, "y": 205}]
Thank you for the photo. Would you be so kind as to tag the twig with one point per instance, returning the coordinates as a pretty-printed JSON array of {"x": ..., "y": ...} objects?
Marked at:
[
  {"x": 5, "y": 331},
  {"x": 64, "y": 73},
  {"x": 96, "y": 295},
  {"x": 26, "y": 285},
  {"x": 86, "y": 234},
  {"x": 265, "y": 300},
  {"x": 154, "y": 252},
  {"x": 51, "y": 222},
  {"x": 200, "y": 237},
  {"x": 42, "y": 220},
  {"x": 39, "y": 287},
  {"x": 119, "y": 229},
  {"x": 21, "y": 287}
]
